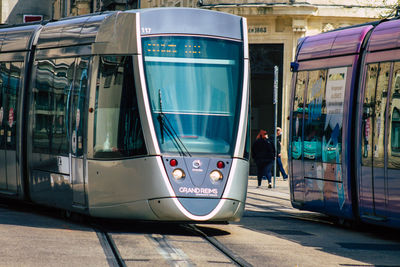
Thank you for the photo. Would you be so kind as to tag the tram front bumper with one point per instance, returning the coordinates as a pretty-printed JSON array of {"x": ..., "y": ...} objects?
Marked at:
[{"x": 172, "y": 209}]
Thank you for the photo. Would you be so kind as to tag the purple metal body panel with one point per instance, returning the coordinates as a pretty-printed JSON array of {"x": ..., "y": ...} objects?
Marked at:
[
  {"x": 321, "y": 194},
  {"x": 326, "y": 51},
  {"x": 393, "y": 193},
  {"x": 334, "y": 43},
  {"x": 378, "y": 188},
  {"x": 385, "y": 36}
]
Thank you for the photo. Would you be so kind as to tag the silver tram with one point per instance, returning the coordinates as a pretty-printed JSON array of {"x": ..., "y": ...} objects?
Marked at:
[{"x": 138, "y": 114}]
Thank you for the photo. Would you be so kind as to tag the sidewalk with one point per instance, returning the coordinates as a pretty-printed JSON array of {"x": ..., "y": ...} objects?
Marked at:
[{"x": 280, "y": 187}]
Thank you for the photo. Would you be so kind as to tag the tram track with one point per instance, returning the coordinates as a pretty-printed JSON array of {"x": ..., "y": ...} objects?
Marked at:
[
  {"x": 111, "y": 251},
  {"x": 166, "y": 244},
  {"x": 218, "y": 245}
]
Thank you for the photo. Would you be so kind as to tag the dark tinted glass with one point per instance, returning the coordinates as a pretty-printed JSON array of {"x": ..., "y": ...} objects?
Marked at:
[
  {"x": 118, "y": 131},
  {"x": 394, "y": 122},
  {"x": 43, "y": 107},
  {"x": 194, "y": 85},
  {"x": 51, "y": 97},
  {"x": 314, "y": 115},
  {"x": 297, "y": 119}
]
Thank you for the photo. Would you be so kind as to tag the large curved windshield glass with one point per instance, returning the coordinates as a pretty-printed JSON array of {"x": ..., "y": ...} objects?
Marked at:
[{"x": 194, "y": 85}]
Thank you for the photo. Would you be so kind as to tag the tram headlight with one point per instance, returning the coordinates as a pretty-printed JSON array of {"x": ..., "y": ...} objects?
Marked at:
[
  {"x": 216, "y": 176},
  {"x": 178, "y": 174}
]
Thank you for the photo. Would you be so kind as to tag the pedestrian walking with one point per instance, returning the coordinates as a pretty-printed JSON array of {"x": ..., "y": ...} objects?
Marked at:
[
  {"x": 263, "y": 153},
  {"x": 278, "y": 148}
]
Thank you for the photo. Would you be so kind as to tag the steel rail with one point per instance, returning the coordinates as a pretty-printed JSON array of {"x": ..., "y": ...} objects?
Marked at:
[
  {"x": 111, "y": 251},
  {"x": 218, "y": 245}
]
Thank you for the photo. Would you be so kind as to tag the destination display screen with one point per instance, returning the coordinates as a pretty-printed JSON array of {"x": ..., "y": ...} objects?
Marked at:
[{"x": 180, "y": 46}]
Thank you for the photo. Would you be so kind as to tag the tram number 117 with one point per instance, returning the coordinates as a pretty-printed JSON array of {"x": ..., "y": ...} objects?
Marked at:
[{"x": 146, "y": 30}]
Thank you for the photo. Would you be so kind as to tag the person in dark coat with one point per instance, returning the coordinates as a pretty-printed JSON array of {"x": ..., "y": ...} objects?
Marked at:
[
  {"x": 263, "y": 153},
  {"x": 278, "y": 148}
]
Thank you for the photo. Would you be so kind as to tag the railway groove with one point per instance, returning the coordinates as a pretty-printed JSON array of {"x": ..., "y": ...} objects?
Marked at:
[
  {"x": 218, "y": 245},
  {"x": 166, "y": 245},
  {"x": 110, "y": 249}
]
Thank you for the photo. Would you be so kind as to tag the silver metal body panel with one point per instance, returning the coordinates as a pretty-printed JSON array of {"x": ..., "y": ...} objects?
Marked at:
[
  {"x": 70, "y": 32},
  {"x": 144, "y": 107},
  {"x": 78, "y": 181},
  {"x": 17, "y": 38},
  {"x": 245, "y": 111},
  {"x": 190, "y": 21},
  {"x": 3, "y": 171},
  {"x": 227, "y": 210},
  {"x": 117, "y": 34},
  {"x": 123, "y": 188},
  {"x": 91, "y": 101},
  {"x": 236, "y": 187},
  {"x": 142, "y": 187},
  {"x": 9, "y": 171},
  {"x": 134, "y": 188},
  {"x": 70, "y": 51},
  {"x": 130, "y": 180},
  {"x": 12, "y": 171}
]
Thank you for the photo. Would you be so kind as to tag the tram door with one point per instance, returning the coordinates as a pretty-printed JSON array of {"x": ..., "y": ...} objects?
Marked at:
[
  {"x": 10, "y": 83},
  {"x": 296, "y": 146},
  {"x": 393, "y": 144},
  {"x": 373, "y": 188},
  {"x": 78, "y": 124},
  {"x": 3, "y": 132}
]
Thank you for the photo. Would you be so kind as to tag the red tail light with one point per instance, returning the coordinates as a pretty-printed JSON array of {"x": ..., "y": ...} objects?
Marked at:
[
  {"x": 173, "y": 162},
  {"x": 220, "y": 165}
]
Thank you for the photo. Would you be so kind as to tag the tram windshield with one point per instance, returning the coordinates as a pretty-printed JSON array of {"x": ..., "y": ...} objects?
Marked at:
[{"x": 194, "y": 85}]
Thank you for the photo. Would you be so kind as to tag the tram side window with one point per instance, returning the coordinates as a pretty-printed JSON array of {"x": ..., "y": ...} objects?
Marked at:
[
  {"x": 12, "y": 99},
  {"x": 394, "y": 120},
  {"x": 63, "y": 78},
  {"x": 333, "y": 121},
  {"x": 374, "y": 112},
  {"x": 118, "y": 131},
  {"x": 297, "y": 117},
  {"x": 368, "y": 111},
  {"x": 9, "y": 92},
  {"x": 43, "y": 99},
  {"x": 2, "y": 121},
  {"x": 315, "y": 113},
  {"x": 51, "y": 95},
  {"x": 78, "y": 116},
  {"x": 380, "y": 114}
]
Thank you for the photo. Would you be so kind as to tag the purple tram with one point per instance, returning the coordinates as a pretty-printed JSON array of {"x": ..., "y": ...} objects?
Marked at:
[{"x": 344, "y": 148}]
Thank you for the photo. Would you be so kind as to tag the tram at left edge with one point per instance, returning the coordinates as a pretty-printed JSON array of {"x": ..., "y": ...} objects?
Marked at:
[{"x": 146, "y": 121}]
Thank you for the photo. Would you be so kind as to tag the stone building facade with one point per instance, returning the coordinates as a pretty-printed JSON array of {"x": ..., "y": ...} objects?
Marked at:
[{"x": 13, "y": 11}]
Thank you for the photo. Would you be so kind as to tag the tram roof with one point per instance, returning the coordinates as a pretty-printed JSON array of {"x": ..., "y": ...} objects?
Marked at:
[
  {"x": 17, "y": 38},
  {"x": 192, "y": 20},
  {"x": 385, "y": 36},
  {"x": 71, "y": 31},
  {"x": 115, "y": 32},
  {"x": 335, "y": 43}
]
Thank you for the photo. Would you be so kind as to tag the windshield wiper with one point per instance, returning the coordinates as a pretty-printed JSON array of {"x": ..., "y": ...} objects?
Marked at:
[{"x": 165, "y": 125}]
